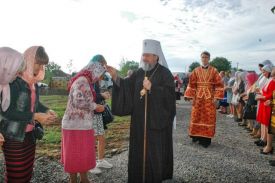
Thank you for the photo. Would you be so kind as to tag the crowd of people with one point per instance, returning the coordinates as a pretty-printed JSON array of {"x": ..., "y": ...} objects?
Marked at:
[
  {"x": 149, "y": 95},
  {"x": 22, "y": 115},
  {"x": 249, "y": 99}
]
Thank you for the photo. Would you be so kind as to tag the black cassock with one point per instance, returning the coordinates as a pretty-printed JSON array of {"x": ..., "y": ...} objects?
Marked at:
[{"x": 161, "y": 111}]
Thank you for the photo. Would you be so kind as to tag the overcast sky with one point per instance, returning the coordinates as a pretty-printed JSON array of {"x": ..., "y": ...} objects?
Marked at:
[{"x": 243, "y": 31}]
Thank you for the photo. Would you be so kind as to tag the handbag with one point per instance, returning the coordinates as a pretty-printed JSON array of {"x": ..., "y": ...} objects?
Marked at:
[
  {"x": 107, "y": 115},
  {"x": 235, "y": 99},
  {"x": 250, "y": 112},
  {"x": 38, "y": 131},
  {"x": 251, "y": 99}
]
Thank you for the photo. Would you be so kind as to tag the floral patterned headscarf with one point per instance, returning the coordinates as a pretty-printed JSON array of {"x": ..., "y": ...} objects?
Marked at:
[{"x": 92, "y": 72}]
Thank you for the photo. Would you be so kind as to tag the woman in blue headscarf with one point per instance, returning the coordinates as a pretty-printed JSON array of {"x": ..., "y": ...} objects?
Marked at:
[{"x": 98, "y": 123}]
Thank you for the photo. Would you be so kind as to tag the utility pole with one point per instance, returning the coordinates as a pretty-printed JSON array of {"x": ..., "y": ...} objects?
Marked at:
[{"x": 237, "y": 65}]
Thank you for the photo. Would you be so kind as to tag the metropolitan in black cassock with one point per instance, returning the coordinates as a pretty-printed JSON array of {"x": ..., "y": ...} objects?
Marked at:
[{"x": 126, "y": 100}]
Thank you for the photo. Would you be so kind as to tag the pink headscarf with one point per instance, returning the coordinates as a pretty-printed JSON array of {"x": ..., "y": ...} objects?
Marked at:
[
  {"x": 28, "y": 74},
  {"x": 11, "y": 62},
  {"x": 251, "y": 78}
]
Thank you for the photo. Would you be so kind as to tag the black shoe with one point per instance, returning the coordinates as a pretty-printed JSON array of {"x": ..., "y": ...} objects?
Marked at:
[
  {"x": 261, "y": 144},
  {"x": 257, "y": 141},
  {"x": 205, "y": 142},
  {"x": 266, "y": 153},
  {"x": 239, "y": 120},
  {"x": 205, "y": 145},
  {"x": 272, "y": 162},
  {"x": 195, "y": 139}
]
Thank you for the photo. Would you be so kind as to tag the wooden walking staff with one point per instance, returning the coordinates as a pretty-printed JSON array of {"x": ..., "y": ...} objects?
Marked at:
[{"x": 143, "y": 92}]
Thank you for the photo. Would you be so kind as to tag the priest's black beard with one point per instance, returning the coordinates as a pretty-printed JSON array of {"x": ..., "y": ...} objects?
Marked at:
[{"x": 148, "y": 67}]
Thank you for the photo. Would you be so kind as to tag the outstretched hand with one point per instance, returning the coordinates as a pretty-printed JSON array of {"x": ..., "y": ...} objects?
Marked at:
[{"x": 112, "y": 71}]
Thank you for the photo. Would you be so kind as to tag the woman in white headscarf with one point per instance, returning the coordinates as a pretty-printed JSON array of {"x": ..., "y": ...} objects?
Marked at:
[
  {"x": 264, "y": 112},
  {"x": 242, "y": 93},
  {"x": 260, "y": 83},
  {"x": 11, "y": 62},
  {"x": 235, "y": 97},
  {"x": 229, "y": 93}
]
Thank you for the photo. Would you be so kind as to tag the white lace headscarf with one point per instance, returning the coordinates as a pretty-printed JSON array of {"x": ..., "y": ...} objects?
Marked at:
[{"x": 11, "y": 62}]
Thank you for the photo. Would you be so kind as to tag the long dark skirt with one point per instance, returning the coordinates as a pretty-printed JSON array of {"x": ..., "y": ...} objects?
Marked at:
[
  {"x": 19, "y": 159},
  {"x": 159, "y": 161}
]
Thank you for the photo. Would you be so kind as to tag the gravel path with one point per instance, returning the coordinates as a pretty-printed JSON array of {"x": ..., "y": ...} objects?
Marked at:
[{"x": 232, "y": 157}]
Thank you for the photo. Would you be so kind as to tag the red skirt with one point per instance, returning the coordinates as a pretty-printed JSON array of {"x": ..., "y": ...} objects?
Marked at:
[
  {"x": 19, "y": 159},
  {"x": 264, "y": 114},
  {"x": 78, "y": 153}
]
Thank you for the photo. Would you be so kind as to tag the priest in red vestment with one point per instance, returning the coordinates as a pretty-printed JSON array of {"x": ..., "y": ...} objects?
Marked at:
[{"x": 204, "y": 88}]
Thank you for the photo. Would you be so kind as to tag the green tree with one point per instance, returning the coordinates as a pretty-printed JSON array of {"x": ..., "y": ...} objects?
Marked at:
[
  {"x": 126, "y": 65},
  {"x": 52, "y": 66},
  {"x": 221, "y": 63},
  {"x": 273, "y": 10},
  {"x": 50, "y": 69},
  {"x": 193, "y": 66}
]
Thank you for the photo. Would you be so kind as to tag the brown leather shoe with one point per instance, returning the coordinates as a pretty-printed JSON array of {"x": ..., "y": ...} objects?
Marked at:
[{"x": 254, "y": 132}]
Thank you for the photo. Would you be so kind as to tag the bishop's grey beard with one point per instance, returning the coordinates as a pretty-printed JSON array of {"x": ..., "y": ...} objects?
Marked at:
[{"x": 147, "y": 66}]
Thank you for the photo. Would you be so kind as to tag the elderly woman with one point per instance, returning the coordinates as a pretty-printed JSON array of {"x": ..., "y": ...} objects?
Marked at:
[
  {"x": 22, "y": 115},
  {"x": 260, "y": 83},
  {"x": 264, "y": 111},
  {"x": 78, "y": 141},
  {"x": 238, "y": 89},
  {"x": 11, "y": 62},
  {"x": 242, "y": 94},
  {"x": 251, "y": 78},
  {"x": 268, "y": 96},
  {"x": 229, "y": 93}
]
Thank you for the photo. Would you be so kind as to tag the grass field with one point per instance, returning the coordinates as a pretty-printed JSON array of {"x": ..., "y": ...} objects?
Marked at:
[{"x": 117, "y": 134}]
